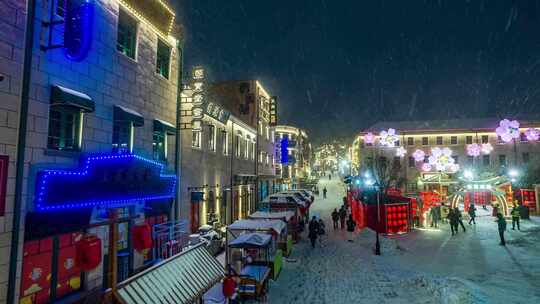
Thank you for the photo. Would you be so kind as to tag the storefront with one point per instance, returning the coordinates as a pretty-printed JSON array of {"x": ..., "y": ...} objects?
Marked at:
[{"x": 90, "y": 226}]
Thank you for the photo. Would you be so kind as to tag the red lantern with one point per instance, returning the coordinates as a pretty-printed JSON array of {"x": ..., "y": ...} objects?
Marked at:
[
  {"x": 88, "y": 252},
  {"x": 142, "y": 237}
]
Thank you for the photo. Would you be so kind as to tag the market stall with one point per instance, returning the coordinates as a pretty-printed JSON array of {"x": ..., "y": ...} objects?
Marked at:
[
  {"x": 282, "y": 204},
  {"x": 277, "y": 229},
  {"x": 252, "y": 253},
  {"x": 286, "y": 216}
]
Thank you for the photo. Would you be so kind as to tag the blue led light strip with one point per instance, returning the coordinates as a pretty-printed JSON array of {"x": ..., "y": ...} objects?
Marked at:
[{"x": 46, "y": 174}]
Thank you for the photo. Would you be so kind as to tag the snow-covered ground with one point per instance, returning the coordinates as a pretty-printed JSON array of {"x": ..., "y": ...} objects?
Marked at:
[{"x": 420, "y": 267}]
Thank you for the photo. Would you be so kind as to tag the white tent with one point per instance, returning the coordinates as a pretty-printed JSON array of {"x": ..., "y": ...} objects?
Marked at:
[
  {"x": 279, "y": 215},
  {"x": 254, "y": 225},
  {"x": 249, "y": 240}
]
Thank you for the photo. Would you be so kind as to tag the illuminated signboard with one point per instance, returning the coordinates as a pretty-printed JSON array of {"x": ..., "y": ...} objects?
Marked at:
[
  {"x": 78, "y": 29},
  {"x": 273, "y": 111},
  {"x": 217, "y": 112},
  {"x": 103, "y": 180},
  {"x": 284, "y": 144},
  {"x": 155, "y": 12}
]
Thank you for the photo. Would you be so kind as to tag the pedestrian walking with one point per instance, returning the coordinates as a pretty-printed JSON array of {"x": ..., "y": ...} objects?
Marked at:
[
  {"x": 453, "y": 219},
  {"x": 322, "y": 231},
  {"x": 501, "y": 224},
  {"x": 459, "y": 218},
  {"x": 335, "y": 218},
  {"x": 435, "y": 214},
  {"x": 329, "y": 176},
  {"x": 313, "y": 231},
  {"x": 472, "y": 214},
  {"x": 324, "y": 192},
  {"x": 444, "y": 213},
  {"x": 345, "y": 202},
  {"x": 515, "y": 217},
  {"x": 351, "y": 226},
  {"x": 342, "y": 217}
]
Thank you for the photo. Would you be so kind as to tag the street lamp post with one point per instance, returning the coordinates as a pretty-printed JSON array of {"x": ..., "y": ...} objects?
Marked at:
[{"x": 377, "y": 243}]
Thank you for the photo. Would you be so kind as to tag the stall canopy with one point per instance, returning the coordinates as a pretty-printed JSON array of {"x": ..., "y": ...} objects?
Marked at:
[
  {"x": 251, "y": 240},
  {"x": 276, "y": 225},
  {"x": 285, "y": 215},
  {"x": 184, "y": 278}
]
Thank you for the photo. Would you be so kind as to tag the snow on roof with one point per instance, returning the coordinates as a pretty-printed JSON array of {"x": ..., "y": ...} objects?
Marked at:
[
  {"x": 255, "y": 239},
  {"x": 442, "y": 125},
  {"x": 130, "y": 111},
  {"x": 287, "y": 215},
  {"x": 73, "y": 92},
  {"x": 276, "y": 225}
]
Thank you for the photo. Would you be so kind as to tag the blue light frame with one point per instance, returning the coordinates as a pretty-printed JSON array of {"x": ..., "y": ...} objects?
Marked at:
[
  {"x": 79, "y": 24},
  {"x": 284, "y": 144},
  {"x": 45, "y": 175}
]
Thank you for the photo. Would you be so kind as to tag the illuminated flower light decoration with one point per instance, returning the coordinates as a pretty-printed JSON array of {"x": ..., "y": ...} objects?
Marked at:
[
  {"x": 419, "y": 155},
  {"x": 532, "y": 134},
  {"x": 369, "y": 138},
  {"x": 426, "y": 167},
  {"x": 508, "y": 130},
  {"x": 454, "y": 168},
  {"x": 474, "y": 150},
  {"x": 388, "y": 138},
  {"x": 487, "y": 148},
  {"x": 441, "y": 159},
  {"x": 400, "y": 152}
]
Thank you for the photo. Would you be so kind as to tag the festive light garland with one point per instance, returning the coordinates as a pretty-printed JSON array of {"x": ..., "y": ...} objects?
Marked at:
[{"x": 508, "y": 130}]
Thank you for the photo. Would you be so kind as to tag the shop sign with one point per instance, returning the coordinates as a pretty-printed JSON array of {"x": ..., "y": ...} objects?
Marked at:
[
  {"x": 273, "y": 111},
  {"x": 284, "y": 144},
  {"x": 103, "y": 180},
  {"x": 216, "y": 111},
  {"x": 198, "y": 85}
]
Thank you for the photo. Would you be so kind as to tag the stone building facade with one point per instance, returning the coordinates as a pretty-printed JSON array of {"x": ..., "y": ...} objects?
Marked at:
[
  {"x": 296, "y": 166},
  {"x": 119, "y": 97}
]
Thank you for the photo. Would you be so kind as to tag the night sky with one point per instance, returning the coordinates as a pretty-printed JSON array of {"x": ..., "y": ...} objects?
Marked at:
[{"x": 338, "y": 66}]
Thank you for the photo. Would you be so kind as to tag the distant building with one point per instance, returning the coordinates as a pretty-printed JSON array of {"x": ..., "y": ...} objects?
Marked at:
[
  {"x": 454, "y": 134},
  {"x": 294, "y": 156}
]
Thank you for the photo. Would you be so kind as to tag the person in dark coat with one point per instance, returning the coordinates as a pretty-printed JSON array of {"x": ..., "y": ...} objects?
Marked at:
[
  {"x": 335, "y": 218},
  {"x": 472, "y": 214},
  {"x": 345, "y": 202},
  {"x": 313, "y": 231},
  {"x": 515, "y": 217},
  {"x": 501, "y": 223},
  {"x": 324, "y": 192},
  {"x": 351, "y": 226},
  {"x": 454, "y": 222},
  {"x": 342, "y": 217},
  {"x": 459, "y": 218}
]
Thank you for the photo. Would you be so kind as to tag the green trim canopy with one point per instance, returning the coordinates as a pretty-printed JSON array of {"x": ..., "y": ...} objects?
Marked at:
[
  {"x": 128, "y": 115},
  {"x": 184, "y": 278},
  {"x": 62, "y": 96},
  {"x": 163, "y": 126}
]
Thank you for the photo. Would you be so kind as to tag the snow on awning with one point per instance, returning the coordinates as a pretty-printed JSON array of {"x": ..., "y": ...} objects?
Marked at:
[
  {"x": 129, "y": 115},
  {"x": 62, "y": 96},
  {"x": 184, "y": 278},
  {"x": 251, "y": 240},
  {"x": 163, "y": 126},
  {"x": 286, "y": 215},
  {"x": 254, "y": 225}
]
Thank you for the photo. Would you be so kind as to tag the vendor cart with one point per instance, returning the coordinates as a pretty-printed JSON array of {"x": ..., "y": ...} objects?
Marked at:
[
  {"x": 254, "y": 258},
  {"x": 287, "y": 217}
]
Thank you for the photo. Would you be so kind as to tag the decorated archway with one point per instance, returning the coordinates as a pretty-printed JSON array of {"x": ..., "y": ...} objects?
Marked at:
[{"x": 498, "y": 188}]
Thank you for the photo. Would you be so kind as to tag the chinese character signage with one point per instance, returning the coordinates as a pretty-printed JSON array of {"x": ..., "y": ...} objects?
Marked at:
[
  {"x": 199, "y": 97},
  {"x": 217, "y": 112},
  {"x": 273, "y": 111}
]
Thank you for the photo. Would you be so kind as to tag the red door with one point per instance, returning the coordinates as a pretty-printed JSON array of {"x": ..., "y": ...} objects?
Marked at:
[{"x": 195, "y": 216}]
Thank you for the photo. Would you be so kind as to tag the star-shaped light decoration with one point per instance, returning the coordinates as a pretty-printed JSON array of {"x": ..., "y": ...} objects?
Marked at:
[
  {"x": 441, "y": 159},
  {"x": 419, "y": 155},
  {"x": 487, "y": 148},
  {"x": 532, "y": 134},
  {"x": 400, "y": 152},
  {"x": 388, "y": 138},
  {"x": 508, "y": 130},
  {"x": 474, "y": 150},
  {"x": 369, "y": 138},
  {"x": 426, "y": 167}
]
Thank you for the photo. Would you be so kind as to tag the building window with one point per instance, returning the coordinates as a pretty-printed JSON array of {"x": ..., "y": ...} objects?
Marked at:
[
  {"x": 397, "y": 143},
  {"x": 425, "y": 141},
  {"x": 212, "y": 138},
  {"x": 238, "y": 145},
  {"x": 122, "y": 139},
  {"x": 196, "y": 139},
  {"x": 456, "y": 159},
  {"x": 426, "y": 159},
  {"x": 486, "y": 161},
  {"x": 61, "y": 8},
  {"x": 453, "y": 140},
  {"x": 468, "y": 140},
  {"x": 470, "y": 160},
  {"x": 439, "y": 140},
  {"x": 160, "y": 146},
  {"x": 526, "y": 157},
  {"x": 127, "y": 34},
  {"x": 410, "y": 141},
  {"x": 412, "y": 162},
  {"x": 523, "y": 137},
  {"x": 253, "y": 153},
  {"x": 65, "y": 128},
  {"x": 163, "y": 59},
  {"x": 224, "y": 142},
  {"x": 485, "y": 139},
  {"x": 502, "y": 160}
]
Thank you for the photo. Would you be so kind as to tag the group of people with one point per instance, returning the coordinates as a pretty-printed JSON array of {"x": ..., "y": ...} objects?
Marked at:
[
  {"x": 456, "y": 219},
  {"x": 316, "y": 230},
  {"x": 338, "y": 217}
]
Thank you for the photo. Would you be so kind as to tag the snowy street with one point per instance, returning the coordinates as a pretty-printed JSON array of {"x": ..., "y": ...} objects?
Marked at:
[{"x": 428, "y": 266}]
